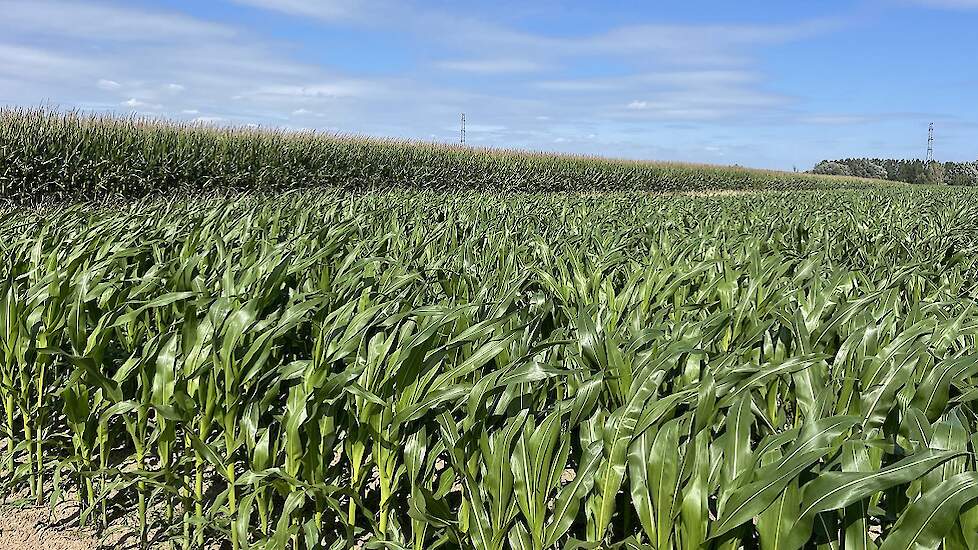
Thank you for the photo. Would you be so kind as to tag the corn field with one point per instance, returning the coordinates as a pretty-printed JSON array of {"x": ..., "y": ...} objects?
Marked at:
[
  {"x": 415, "y": 370},
  {"x": 46, "y": 155}
]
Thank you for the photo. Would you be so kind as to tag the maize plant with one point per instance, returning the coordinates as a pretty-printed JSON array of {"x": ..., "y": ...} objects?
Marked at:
[{"x": 413, "y": 369}]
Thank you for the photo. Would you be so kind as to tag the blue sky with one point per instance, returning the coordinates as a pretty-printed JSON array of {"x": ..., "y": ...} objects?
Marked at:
[{"x": 768, "y": 84}]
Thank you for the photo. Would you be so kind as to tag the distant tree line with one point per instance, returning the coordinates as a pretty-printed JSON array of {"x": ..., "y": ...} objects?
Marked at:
[{"x": 909, "y": 171}]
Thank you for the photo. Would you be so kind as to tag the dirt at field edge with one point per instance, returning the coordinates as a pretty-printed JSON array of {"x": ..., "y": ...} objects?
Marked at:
[{"x": 30, "y": 528}]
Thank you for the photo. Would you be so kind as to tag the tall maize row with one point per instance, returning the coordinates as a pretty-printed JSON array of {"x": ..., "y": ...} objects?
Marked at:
[{"x": 50, "y": 156}]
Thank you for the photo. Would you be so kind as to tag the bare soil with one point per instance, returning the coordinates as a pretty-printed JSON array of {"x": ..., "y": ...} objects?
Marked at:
[
  {"x": 31, "y": 527},
  {"x": 35, "y": 528}
]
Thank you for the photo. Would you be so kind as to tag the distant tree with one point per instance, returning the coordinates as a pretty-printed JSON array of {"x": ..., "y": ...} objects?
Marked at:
[
  {"x": 892, "y": 168},
  {"x": 866, "y": 168},
  {"x": 913, "y": 171},
  {"x": 877, "y": 171},
  {"x": 832, "y": 168},
  {"x": 908, "y": 171},
  {"x": 961, "y": 173},
  {"x": 934, "y": 173}
]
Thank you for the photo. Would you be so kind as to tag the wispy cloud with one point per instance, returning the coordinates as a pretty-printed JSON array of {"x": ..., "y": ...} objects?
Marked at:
[
  {"x": 685, "y": 45},
  {"x": 25, "y": 61},
  {"x": 836, "y": 120},
  {"x": 707, "y": 94},
  {"x": 139, "y": 105},
  {"x": 323, "y": 90},
  {"x": 156, "y": 60},
  {"x": 106, "y": 84},
  {"x": 946, "y": 4},
  {"x": 491, "y": 66},
  {"x": 675, "y": 44},
  {"x": 57, "y": 18},
  {"x": 584, "y": 85},
  {"x": 328, "y": 10}
]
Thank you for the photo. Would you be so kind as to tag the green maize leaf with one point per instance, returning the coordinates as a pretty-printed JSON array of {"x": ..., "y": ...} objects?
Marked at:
[{"x": 931, "y": 517}]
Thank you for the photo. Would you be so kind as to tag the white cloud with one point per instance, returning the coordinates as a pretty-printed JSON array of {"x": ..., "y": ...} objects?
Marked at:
[
  {"x": 21, "y": 61},
  {"x": 140, "y": 105},
  {"x": 321, "y": 9},
  {"x": 580, "y": 85},
  {"x": 197, "y": 66},
  {"x": 87, "y": 20},
  {"x": 699, "y": 43},
  {"x": 490, "y": 66},
  {"x": 305, "y": 113},
  {"x": 946, "y": 4},
  {"x": 485, "y": 128},
  {"x": 835, "y": 120},
  {"x": 207, "y": 119},
  {"x": 664, "y": 45},
  {"x": 660, "y": 79},
  {"x": 108, "y": 85},
  {"x": 321, "y": 90},
  {"x": 673, "y": 44},
  {"x": 692, "y": 95}
]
